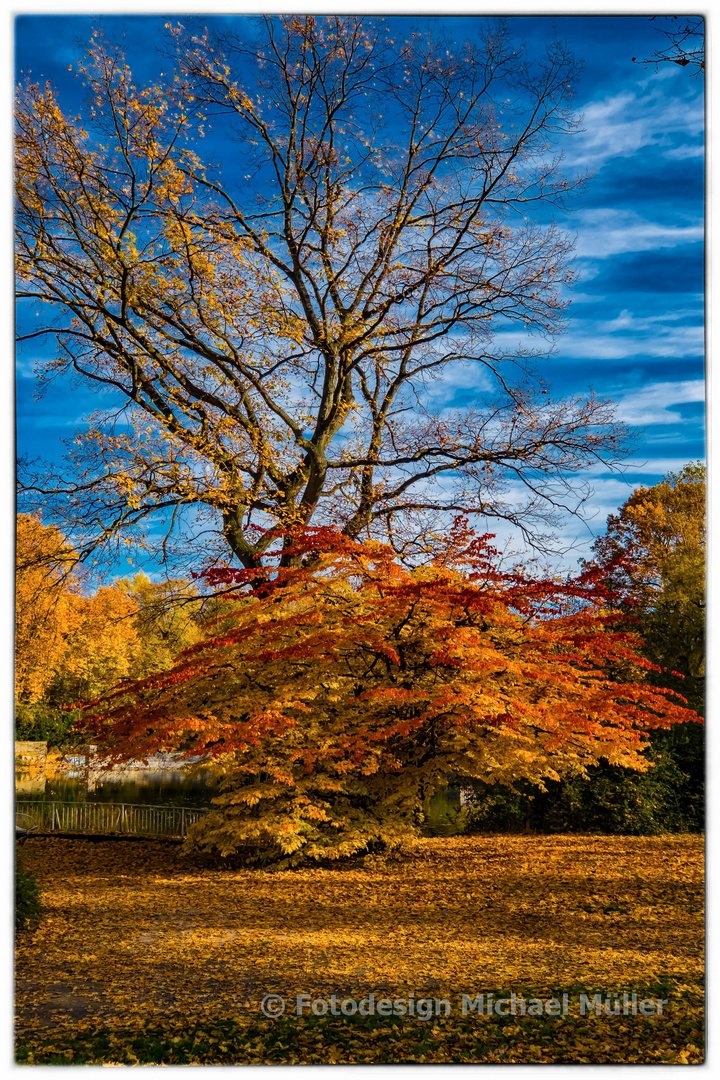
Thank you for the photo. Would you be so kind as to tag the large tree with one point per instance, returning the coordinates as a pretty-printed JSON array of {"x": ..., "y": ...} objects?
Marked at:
[
  {"x": 273, "y": 326},
  {"x": 333, "y": 706}
]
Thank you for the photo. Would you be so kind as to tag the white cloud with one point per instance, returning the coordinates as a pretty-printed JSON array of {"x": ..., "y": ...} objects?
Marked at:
[
  {"x": 603, "y": 232},
  {"x": 26, "y": 366},
  {"x": 650, "y": 467},
  {"x": 627, "y": 321},
  {"x": 622, "y": 124},
  {"x": 588, "y": 340},
  {"x": 584, "y": 298},
  {"x": 453, "y": 377},
  {"x": 680, "y": 152},
  {"x": 653, "y": 404}
]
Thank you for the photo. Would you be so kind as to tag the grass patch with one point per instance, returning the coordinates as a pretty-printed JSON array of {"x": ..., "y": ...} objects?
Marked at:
[{"x": 27, "y": 900}]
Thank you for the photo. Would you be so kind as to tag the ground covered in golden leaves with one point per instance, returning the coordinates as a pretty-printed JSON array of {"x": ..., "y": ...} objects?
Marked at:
[{"x": 142, "y": 956}]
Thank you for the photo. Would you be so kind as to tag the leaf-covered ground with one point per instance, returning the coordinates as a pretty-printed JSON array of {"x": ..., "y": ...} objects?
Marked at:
[{"x": 142, "y": 956}]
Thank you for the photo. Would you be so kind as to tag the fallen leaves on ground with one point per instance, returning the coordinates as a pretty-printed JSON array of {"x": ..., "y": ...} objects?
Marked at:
[{"x": 143, "y": 956}]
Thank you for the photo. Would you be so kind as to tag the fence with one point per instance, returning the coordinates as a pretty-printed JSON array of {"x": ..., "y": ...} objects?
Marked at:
[{"x": 132, "y": 819}]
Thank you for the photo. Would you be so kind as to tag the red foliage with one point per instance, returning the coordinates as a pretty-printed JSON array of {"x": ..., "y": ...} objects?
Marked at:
[
  {"x": 341, "y": 692},
  {"x": 416, "y": 644}
]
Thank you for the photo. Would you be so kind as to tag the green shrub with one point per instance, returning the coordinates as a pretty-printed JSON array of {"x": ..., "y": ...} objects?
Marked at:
[
  {"x": 668, "y": 798},
  {"x": 27, "y": 899},
  {"x": 39, "y": 722}
]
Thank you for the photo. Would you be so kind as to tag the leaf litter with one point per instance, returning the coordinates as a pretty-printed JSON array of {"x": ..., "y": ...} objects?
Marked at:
[{"x": 142, "y": 955}]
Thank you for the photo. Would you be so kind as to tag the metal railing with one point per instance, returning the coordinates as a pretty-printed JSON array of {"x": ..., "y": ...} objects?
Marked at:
[{"x": 131, "y": 819}]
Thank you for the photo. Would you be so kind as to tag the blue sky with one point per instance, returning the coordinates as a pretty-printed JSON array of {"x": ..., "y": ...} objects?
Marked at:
[{"x": 635, "y": 327}]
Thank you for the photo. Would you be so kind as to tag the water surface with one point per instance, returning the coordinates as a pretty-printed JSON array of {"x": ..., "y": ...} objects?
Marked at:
[{"x": 146, "y": 786}]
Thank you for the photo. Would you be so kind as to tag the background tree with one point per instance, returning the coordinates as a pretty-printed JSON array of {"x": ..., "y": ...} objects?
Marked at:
[
  {"x": 72, "y": 644},
  {"x": 68, "y": 645},
  {"x": 661, "y": 534},
  {"x": 168, "y": 618},
  {"x": 272, "y": 326},
  {"x": 332, "y": 706},
  {"x": 658, "y": 588},
  {"x": 44, "y": 566},
  {"x": 100, "y": 646}
]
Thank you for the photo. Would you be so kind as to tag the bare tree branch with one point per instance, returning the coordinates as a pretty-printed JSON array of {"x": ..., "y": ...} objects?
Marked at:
[{"x": 275, "y": 327}]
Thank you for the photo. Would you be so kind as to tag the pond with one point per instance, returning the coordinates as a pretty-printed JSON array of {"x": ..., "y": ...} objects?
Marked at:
[
  {"x": 444, "y": 812},
  {"x": 173, "y": 787},
  {"x": 167, "y": 787}
]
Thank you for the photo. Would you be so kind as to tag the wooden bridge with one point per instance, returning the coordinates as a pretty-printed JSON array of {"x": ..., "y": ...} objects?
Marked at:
[{"x": 108, "y": 819}]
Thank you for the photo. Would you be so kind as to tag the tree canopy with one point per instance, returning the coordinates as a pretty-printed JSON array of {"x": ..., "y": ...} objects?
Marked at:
[
  {"x": 44, "y": 564},
  {"x": 73, "y": 641},
  {"x": 168, "y": 618},
  {"x": 660, "y": 532},
  {"x": 340, "y": 694},
  {"x": 84, "y": 643},
  {"x": 271, "y": 308}
]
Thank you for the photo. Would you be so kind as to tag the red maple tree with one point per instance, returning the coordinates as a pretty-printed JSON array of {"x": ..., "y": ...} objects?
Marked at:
[{"x": 339, "y": 693}]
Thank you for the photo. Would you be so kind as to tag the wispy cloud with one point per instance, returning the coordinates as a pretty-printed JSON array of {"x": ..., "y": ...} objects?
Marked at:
[
  {"x": 646, "y": 468},
  {"x": 592, "y": 340},
  {"x": 654, "y": 404},
  {"x": 455, "y": 377},
  {"x": 604, "y": 231},
  {"x": 678, "y": 153},
  {"x": 639, "y": 324},
  {"x": 622, "y": 124}
]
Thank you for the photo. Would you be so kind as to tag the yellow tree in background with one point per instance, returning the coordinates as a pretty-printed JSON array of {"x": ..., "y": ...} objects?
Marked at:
[
  {"x": 661, "y": 533},
  {"x": 168, "y": 619},
  {"x": 44, "y": 568},
  {"x": 78, "y": 645}
]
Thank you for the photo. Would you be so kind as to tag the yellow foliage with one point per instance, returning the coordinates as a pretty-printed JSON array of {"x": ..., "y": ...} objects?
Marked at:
[
  {"x": 60, "y": 633},
  {"x": 44, "y": 566},
  {"x": 138, "y": 947},
  {"x": 277, "y": 325}
]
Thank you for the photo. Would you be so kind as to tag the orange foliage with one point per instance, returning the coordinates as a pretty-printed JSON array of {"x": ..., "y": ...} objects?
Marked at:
[
  {"x": 87, "y": 640},
  {"x": 341, "y": 692},
  {"x": 44, "y": 561}
]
